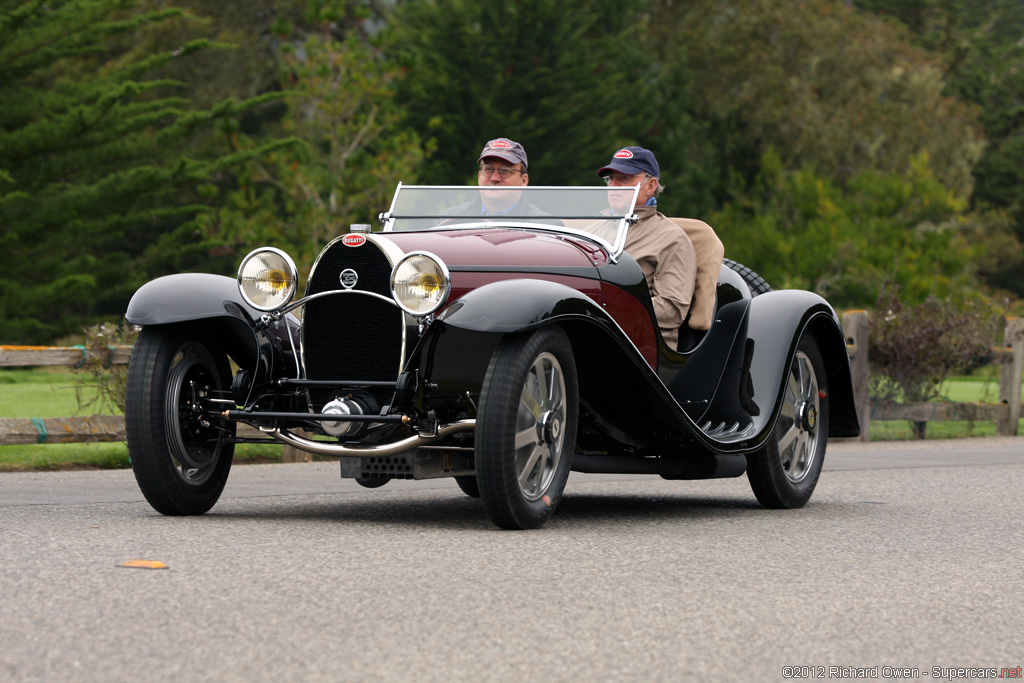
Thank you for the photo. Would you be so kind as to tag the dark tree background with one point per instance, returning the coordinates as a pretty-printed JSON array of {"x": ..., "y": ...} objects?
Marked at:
[{"x": 835, "y": 145}]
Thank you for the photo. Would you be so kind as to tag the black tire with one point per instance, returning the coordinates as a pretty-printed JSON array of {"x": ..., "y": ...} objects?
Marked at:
[
  {"x": 468, "y": 485},
  {"x": 372, "y": 482},
  {"x": 755, "y": 282},
  {"x": 529, "y": 393},
  {"x": 785, "y": 471},
  {"x": 181, "y": 460}
]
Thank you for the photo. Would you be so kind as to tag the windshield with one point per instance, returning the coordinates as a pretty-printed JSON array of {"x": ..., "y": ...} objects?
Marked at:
[{"x": 597, "y": 213}]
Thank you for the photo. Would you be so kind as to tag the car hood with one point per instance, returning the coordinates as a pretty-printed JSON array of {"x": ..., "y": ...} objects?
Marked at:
[{"x": 497, "y": 247}]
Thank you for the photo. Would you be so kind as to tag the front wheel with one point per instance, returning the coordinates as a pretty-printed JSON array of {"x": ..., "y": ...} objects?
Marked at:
[
  {"x": 180, "y": 455},
  {"x": 526, "y": 428},
  {"x": 784, "y": 472}
]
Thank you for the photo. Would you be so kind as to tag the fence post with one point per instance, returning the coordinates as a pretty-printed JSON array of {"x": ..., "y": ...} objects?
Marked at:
[
  {"x": 855, "y": 327},
  {"x": 1010, "y": 380}
]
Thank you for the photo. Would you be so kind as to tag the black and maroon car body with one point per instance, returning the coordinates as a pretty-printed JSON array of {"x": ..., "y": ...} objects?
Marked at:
[{"x": 500, "y": 350}]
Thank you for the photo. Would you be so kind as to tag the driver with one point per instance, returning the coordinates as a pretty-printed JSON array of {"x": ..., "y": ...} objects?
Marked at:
[
  {"x": 502, "y": 163},
  {"x": 660, "y": 247}
]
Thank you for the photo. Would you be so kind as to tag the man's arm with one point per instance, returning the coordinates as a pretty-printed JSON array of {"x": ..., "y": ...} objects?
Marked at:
[{"x": 672, "y": 292}]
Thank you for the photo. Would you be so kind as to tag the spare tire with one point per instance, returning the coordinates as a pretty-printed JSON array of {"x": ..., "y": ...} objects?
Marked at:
[{"x": 754, "y": 281}]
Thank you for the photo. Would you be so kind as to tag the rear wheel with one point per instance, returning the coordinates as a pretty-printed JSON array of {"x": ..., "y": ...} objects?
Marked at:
[
  {"x": 526, "y": 429},
  {"x": 180, "y": 456},
  {"x": 785, "y": 471}
]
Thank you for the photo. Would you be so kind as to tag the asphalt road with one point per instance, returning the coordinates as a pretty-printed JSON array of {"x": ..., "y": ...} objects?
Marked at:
[{"x": 908, "y": 556}]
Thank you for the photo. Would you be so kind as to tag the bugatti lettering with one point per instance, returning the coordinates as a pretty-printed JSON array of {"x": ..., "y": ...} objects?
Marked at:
[
  {"x": 624, "y": 154},
  {"x": 495, "y": 351}
]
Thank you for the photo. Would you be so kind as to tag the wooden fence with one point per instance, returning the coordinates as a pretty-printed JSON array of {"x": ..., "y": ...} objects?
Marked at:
[
  {"x": 91, "y": 429},
  {"x": 102, "y": 428},
  {"x": 1006, "y": 413}
]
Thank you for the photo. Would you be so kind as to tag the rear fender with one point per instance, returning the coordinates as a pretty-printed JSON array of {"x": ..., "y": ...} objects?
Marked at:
[{"x": 794, "y": 313}]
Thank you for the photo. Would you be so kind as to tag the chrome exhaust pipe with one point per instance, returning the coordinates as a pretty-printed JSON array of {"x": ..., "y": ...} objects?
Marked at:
[{"x": 380, "y": 450}]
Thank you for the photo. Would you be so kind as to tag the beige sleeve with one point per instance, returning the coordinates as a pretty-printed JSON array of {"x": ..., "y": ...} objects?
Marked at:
[{"x": 673, "y": 282}]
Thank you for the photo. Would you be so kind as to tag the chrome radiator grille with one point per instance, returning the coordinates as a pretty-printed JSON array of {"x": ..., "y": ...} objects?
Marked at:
[{"x": 348, "y": 336}]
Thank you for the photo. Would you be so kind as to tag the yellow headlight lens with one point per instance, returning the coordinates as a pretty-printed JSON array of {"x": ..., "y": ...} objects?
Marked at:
[
  {"x": 420, "y": 283},
  {"x": 267, "y": 278}
]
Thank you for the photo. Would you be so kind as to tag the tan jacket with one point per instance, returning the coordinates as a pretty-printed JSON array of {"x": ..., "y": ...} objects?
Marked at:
[{"x": 666, "y": 256}]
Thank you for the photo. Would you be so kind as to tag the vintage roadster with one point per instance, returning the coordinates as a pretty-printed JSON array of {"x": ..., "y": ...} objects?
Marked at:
[{"x": 500, "y": 351}]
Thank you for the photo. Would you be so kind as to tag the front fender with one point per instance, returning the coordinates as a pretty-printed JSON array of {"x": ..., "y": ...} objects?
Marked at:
[
  {"x": 213, "y": 305},
  {"x": 456, "y": 349},
  {"x": 519, "y": 305},
  {"x": 777, "y": 321},
  {"x": 187, "y": 296},
  {"x": 618, "y": 387}
]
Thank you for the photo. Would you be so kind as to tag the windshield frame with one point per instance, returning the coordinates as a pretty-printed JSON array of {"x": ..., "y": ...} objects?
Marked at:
[{"x": 392, "y": 219}]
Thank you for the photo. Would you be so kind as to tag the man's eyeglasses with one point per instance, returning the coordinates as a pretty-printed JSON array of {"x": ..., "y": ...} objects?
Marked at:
[
  {"x": 621, "y": 179},
  {"x": 503, "y": 171}
]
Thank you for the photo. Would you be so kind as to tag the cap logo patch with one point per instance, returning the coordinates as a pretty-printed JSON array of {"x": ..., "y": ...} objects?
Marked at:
[
  {"x": 353, "y": 240},
  {"x": 623, "y": 154},
  {"x": 500, "y": 144}
]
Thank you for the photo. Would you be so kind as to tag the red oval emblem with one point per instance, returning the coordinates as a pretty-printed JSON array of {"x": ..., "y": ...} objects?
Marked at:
[
  {"x": 353, "y": 240},
  {"x": 623, "y": 154},
  {"x": 500, "y": 143}
]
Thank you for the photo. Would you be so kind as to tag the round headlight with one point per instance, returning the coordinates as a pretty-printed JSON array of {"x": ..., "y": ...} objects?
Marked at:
[
  {"x": 420, "y": 283},
  {"x": 267, "y": 278}
]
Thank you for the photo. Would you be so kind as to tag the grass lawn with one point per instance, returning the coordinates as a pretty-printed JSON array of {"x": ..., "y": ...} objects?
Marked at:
[
  {"x": 980, "y": 387},
  {"x": 51, "y": 392}
]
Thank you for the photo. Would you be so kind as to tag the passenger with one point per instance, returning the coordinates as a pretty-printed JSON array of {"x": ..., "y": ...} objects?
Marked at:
[
  {"x": 502, "y": 163},
  {"x": 660, "y": 247}
]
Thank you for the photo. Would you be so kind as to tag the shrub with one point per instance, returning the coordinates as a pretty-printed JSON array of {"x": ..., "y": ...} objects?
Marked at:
[
  {"x": 914, "y": 348},
  {"x": 108, "y": 379}
]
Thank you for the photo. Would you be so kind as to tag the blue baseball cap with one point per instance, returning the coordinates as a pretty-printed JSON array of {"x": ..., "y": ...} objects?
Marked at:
[{"x": 632, "y": 160}]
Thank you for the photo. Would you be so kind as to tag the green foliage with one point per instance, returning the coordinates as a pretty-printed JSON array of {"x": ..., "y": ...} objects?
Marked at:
[
  {"x": 257, "y": 30},
  {"x": 915, "y": 348},
  {"x": 799, "y": 229},
  {"x": 978, "y": 43},
  {"x": 91, "y": 168},
  {"x": 354, "y": 153},
  {"x": 839, "y": 147},
  {"x": 571, "y": 86},
  {"x": 827, "y": 88}
]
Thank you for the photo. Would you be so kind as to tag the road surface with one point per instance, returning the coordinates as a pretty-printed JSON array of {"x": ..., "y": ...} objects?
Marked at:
[{"x": 907, "y": 560}]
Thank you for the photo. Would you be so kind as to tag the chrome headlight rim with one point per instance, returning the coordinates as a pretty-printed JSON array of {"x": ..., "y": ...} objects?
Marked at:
[
  {"x": 291, "y": 272},
  {"x": 445, "y": 277}
]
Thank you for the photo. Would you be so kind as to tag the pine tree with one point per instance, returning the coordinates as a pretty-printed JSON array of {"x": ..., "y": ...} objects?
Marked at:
[{"x": 92, "y": 178}]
